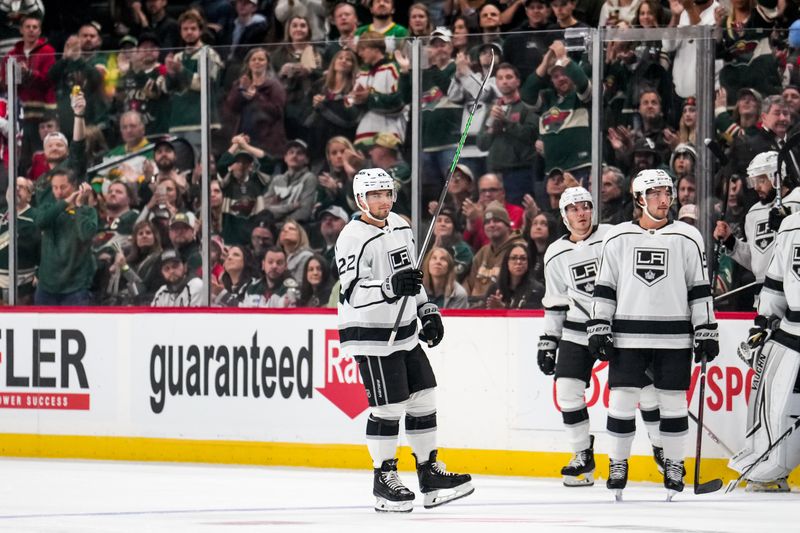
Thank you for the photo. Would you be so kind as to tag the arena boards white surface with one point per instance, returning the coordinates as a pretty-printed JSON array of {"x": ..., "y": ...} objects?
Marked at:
[{"x": 55, "y": 496}]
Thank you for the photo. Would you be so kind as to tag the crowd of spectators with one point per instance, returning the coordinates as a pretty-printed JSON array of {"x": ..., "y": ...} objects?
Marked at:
[{"x": 304, "y": 93}]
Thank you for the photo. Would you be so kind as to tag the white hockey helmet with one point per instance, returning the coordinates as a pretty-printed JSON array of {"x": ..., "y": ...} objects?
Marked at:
[
  {"x": 647, "y": 179},
  {"x": 650, "y": 179},
  {"x": 765, "y": 163},
  {"x": 371, "y": 179}
]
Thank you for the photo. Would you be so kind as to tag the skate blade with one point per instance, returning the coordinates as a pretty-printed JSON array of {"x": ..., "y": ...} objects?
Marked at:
[
  {"x": 617, "y": 495},
  {"x": 383, "y": 505},
  {"x": 777, "y": 486},
  {"x": 443, "y": 496},
  {"x": 584, "y": 480},
  {"x": 671, "y": 494}
]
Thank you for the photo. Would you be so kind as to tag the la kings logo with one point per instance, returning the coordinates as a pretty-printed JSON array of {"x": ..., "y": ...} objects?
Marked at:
[
  {"x": 796, "y": 261},
  {"x": 764, "y": 236},
  {"x": 399, "y": 258},
  {"x": 583, "y": 276},
  {"x": 650, "y": 265}
]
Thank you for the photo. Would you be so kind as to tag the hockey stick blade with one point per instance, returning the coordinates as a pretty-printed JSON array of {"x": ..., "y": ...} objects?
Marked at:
[{"x": 708, "y": 487}]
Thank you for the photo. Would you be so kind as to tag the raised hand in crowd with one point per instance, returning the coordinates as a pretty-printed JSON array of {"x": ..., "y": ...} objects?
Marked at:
[
  {"x": 353, "y": 161},
  {"x": 173, "y": 65},
  {"x": 72, "y": 48},
  {"x": 675, "y": 10},
  {"x": 78, "y": 103},
  {"x": 721, "y": 98},
  {"x": 248, "y": 87},
  {"x": 472, "y": 210},
  {"x": 530, "y": 205},
  {"x": 327, "y": 181},
  {"x": 671, "y": 138},
  {"x": 463, "y": 64},
  {"x": 402, "y": 61},
  {"x": 495, "y": 301}
]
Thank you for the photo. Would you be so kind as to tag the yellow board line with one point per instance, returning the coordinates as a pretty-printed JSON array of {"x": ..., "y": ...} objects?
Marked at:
[{"x": 349, "y": 456}]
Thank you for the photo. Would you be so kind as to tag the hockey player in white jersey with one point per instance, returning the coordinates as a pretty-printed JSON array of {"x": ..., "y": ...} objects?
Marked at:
[
  {"x": 762, "y": 220},
  {"x": 774, "y": 343},
  {"x": 570, "y": 269},
  {"x": 652, "y": 305},
  {"x": 374, "y": 257}
]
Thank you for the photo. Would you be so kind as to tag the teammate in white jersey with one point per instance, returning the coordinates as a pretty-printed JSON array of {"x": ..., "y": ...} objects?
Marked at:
[
  {"x": 652, "y": 305},
  {"x": 374, "y": 257},
  {"x": 774, "y": 343},
  {"x": 570, "y": 269},
  {"x": 762, "y": 220}
]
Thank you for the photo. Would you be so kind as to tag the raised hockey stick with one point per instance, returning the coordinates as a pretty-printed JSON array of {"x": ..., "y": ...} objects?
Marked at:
[
  {"x": 443, "y": 195},
  {"x": 735, "y": 483},
  {"x": 714, "y": 147},
  {"x": 715, "y": 484},
  {"x": 790, "y": 144}
]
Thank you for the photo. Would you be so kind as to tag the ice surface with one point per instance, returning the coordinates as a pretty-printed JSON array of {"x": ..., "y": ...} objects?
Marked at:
[{"x": 109, "y": 497}]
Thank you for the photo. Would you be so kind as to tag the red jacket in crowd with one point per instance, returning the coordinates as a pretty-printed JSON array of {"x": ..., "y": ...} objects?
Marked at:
[{"x": 36, "y": 91}]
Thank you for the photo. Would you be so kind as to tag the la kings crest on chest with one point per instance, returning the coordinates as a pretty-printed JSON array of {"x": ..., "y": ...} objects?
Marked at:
[
  {"x": 764, "y": 236},
  {"x": 399, "y": 258},
  {"x": 796, "y": 261},
  {"x": 650, "y": 265},
  {"x": 583, "y": 276}
]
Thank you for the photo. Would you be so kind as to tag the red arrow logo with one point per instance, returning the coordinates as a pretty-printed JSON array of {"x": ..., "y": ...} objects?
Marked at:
[{"x": 343, "y": 386}]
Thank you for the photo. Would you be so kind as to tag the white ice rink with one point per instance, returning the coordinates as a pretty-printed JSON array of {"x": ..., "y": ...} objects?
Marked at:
[{"x": 109, "y": 497}]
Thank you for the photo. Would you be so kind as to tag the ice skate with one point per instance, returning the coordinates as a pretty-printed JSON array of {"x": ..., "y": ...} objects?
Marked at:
[
  {"x": 673, "y": 477},
  {"x": 658, "y": 457},
  {"x": 617, "y": 477},
  {"x": 778, "y": 485},
  {"x": 580, "y": 470},
  {"x": 440, "y": 486},
  {"x": 392, "y": 496}
]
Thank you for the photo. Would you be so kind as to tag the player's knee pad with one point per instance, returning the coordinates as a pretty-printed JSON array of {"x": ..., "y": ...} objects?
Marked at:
[
  {"x": 421, "y": 403},
  {"x": 622, "y": 402},
  {"x": 389, "y": 412},
  {"x": 570, "y": 393},
  {"x": 773, "y": 407},
  {"x": 674, "y": 413}
]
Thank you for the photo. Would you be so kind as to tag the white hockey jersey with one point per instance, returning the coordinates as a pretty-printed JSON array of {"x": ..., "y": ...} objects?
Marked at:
[
  {"x": 653, "y": 285},
  {"x": 365, "y": 256},
  {"x": 570, "y": 272},
  {"x": 780, "y": 295},
  {"x": 755, "y": 251}
]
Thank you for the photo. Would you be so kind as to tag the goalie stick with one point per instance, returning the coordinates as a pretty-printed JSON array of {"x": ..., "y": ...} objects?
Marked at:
[{"x": 735, "y": 483}]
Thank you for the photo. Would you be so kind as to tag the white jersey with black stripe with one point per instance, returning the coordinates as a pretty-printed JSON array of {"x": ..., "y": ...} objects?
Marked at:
[
  {"x": 366, "y": 256},
  {"x": 653, "y": 285},
  {"x": 570, "y": 272},
  {"x": 780, "y": 295},
  {"x": 755, "y": 251}
]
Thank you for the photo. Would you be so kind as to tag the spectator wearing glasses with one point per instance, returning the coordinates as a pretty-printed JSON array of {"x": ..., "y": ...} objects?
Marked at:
[
  {"x": 516, "y": 287},
  {"x": 490, "y": 189},
  {"x": 487, "y": 262}
]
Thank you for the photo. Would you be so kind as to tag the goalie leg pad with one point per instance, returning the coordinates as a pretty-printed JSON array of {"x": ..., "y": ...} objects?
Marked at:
[
  {"x": 570, "y": 396},
  {"x": 774, "y": 405}
]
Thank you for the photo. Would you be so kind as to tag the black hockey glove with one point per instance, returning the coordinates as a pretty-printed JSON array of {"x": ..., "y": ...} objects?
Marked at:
[
  {"x": 432, "y": 327},
  {"x": 706, "y": 342},
  {"x": 776, "y": 216},
  {"x": 402, "y": 283},
  {"x": 547, "y": 354},
  {"x": 601, "y": 342}
]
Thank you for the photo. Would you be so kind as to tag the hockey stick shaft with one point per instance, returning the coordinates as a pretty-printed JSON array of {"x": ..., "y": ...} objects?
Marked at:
[
  {"x": 725, "y": 295},
  {"x": 708, "y": 486},
  {"x": 711, "y": 434},
  {"x": 115, "y": 162},
  {"x": 788, "y": 146},
  {"x": 443, "y": 195},
  {"x": 733, "y": 484}
]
